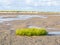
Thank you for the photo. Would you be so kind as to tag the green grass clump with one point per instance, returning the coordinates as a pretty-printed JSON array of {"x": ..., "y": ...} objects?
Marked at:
[{"x": 31, "y": 32}]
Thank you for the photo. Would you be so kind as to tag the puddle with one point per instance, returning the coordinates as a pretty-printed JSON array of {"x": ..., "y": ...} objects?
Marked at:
[
  {"x": 54, "y": 33},
  {"x": 53, "y": 15},
  {"x": 33, "y": 27},
  {"x": 20, "y": 17},
  {"x": 30, "y": 16},
  {"x": 52, "y": 28}
]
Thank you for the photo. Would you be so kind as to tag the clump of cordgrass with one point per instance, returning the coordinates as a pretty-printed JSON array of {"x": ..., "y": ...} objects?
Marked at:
[{"x": 31, "y": 32}]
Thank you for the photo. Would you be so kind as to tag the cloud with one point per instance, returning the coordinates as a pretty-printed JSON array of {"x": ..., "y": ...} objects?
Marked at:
[
  {"x": 5, "y": 2},
  {"x": 28, "y": 4},
  {"x": 42, "y": 3},
  {"x": 47, "y": 0},
  {"x": 55, "y": 3},
  {"x": 28, "y": 1},
  {"x": 35, "y": 3}
]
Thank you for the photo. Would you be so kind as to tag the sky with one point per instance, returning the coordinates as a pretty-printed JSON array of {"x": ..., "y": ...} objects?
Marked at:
[{"x": 31, "y": 5}]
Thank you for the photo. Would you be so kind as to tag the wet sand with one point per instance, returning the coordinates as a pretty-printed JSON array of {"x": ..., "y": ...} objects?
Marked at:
[
  {"x": 52, "y": 23},
  {"x": 8, "y": 37}
]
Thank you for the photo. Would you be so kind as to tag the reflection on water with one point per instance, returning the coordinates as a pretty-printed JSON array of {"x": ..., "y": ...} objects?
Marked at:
[{"x": 20, "y": 17}]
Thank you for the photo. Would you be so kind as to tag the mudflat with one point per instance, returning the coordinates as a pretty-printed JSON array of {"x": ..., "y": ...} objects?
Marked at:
[
  {"x": 51, "y": 23},
  {"x": 8, "y": 37},
  {"x": 8, "y": 28}
]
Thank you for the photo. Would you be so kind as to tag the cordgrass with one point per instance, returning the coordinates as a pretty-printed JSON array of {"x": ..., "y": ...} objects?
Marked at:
[{"x": 31, "y": 32}]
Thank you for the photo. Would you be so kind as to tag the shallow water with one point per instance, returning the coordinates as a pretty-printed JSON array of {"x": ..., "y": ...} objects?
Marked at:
[
  {"x": 30, "y": 16},
  {"x": 54, "y": 33},
  {"x": 20, "y": 17}
]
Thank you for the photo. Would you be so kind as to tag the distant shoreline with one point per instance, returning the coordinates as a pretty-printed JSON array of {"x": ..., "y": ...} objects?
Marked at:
[{"x": 28, "y": 13}]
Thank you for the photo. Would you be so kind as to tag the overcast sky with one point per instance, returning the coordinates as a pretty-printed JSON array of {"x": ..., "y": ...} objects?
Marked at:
[{"x": 34, "y": 5}]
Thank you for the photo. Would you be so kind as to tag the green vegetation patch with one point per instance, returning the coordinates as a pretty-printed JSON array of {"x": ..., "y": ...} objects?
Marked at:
[{"x": 31, "y": 32}]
